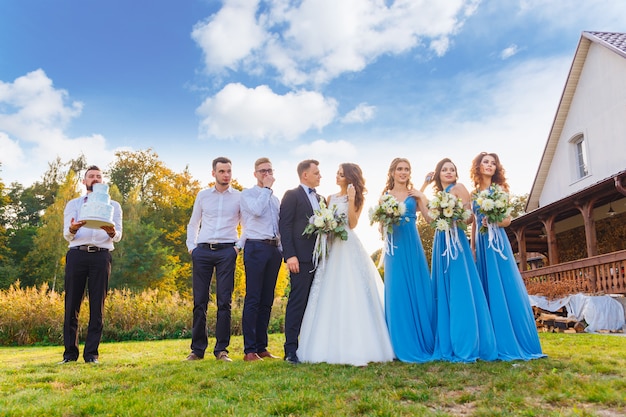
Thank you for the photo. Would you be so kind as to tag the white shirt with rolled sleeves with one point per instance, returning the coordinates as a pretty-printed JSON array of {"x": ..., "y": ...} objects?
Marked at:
[
  {"x": 259, "y": 213},
  {"x": 86, "y": 236},
  {"x": 214, "y": 218}
]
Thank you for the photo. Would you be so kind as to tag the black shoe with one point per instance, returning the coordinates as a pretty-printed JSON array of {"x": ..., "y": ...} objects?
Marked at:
[
  {"x": 65, "y": 360},
  {"x": 92, "y": 360},
  {"x": 292, "y": 358}
]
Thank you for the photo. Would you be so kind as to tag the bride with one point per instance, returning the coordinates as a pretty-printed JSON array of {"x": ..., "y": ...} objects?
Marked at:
[{"x": 344, "y": 321}]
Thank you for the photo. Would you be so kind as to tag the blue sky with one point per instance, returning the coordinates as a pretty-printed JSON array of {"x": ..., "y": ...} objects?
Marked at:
[{"x": 353, "y": 80}]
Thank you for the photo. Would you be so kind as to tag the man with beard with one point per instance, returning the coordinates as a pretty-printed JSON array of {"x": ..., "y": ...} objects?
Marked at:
[
  {"x": 87, "y": 264},
  {"x": 213, "y": 244}
]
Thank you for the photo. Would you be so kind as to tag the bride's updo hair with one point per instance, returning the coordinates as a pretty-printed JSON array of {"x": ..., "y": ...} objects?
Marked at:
[{"x": 354, "y": 175}]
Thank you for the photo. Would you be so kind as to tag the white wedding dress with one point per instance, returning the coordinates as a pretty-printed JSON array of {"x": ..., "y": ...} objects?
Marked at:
[{"x": 344, "y": 320}]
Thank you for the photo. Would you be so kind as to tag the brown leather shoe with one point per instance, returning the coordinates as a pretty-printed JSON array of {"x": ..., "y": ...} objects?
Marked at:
[
  {"x": 193, "y": 357},
  {"x": 266, "y": 354},
  {"x": 249, "y": 357},
  {"x": 223, "y": 356}
]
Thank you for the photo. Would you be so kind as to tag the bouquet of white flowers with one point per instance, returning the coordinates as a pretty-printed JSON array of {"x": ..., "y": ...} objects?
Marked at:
[
  {"x": 494, "y": 204},
  {"x": 387, "y": 212},
  {"x": 327, "y": 224},
  {"x": 446, "y": 209}
]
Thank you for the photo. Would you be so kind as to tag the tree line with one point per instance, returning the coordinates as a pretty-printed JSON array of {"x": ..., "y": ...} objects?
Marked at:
[{"x": 157, "y": 204}]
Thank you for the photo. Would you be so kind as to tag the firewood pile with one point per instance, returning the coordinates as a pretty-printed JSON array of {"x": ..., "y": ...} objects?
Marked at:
[{"x": 557, "y": 322}]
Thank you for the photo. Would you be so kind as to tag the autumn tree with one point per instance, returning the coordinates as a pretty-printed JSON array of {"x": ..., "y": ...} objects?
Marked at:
[
  {"x": 7, "y": 265},
  {"x": 45, "y": 262}
]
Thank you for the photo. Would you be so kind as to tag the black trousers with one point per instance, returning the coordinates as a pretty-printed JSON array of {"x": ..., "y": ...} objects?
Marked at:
[
  {"x": 262, "y": 263},
  {"x": 89, "y": 270},
  {"x": 204, "y": 262},
  {"x": 298, "y": 298}
]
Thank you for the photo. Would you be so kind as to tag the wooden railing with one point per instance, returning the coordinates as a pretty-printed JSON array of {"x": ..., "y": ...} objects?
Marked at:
[{"x": 602, "y": 274}]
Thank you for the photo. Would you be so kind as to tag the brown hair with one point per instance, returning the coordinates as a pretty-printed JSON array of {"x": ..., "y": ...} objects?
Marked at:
[
  {"x": 262, "y": 160},
  {"x": 304, "y": 165},
  {"x": 91, "y": 168},
  {"x": 354, "y": 175},
  {"x": 438, "y": 186},
  {"x": 390, "y": 181},
  {"x": 498, "y": 176},
  {"x": 220, "y": 160}
]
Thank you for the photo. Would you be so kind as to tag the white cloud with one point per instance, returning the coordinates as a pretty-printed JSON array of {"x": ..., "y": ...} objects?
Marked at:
[
  {"x": 259, "y": 113},
  {"x": 33, "y": 118},
  {"x": 230, "y": 35},
  {"x": 316, "y": 41},
  {"x": 31, "y": 105},
  {"x": 11, "y": 152},
  {"x": 509, "y": 51},
  {"x": 360, "y": 114},
  {"x": 321, "y": 147}
]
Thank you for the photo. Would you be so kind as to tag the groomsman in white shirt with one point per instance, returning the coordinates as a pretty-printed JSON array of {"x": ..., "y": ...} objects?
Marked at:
[
  {"x": 262, "y": 258},
  {"x": 213, "y": 244}
]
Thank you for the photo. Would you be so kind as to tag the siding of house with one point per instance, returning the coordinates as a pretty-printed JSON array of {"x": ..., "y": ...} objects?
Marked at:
[{"x": 597, "y": 111}]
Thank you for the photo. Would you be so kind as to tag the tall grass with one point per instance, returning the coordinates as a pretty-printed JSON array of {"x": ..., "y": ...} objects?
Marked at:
[{"x": 35, "y": 316}]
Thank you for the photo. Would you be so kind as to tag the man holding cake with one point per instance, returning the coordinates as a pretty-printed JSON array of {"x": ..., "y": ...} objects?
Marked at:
[
  {"x": 213, "y": 243},
  {"x": 92, "y": 223}
]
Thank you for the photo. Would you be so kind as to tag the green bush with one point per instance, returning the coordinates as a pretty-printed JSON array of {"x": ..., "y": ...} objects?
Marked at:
[{"x": 35, "y": 316}]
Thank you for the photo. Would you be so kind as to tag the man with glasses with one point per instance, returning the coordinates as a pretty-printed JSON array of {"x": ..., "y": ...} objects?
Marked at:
[{"x": 262, "y": 258}]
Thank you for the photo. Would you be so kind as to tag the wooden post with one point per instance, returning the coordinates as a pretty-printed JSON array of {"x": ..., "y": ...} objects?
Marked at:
[
  {"x": 520, "y": 235},
  {"x": 586, "y": 209},
  {"x": 553, "y": 250}
]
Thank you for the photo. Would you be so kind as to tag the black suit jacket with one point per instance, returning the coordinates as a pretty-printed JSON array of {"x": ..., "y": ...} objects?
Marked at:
[{"x": 295, "y": 210}]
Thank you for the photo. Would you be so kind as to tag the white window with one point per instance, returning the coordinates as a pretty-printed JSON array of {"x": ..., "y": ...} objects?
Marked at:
[{"x": 581, "y": 166}]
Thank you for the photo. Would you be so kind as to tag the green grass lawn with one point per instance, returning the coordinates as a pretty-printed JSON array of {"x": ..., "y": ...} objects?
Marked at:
[{"x": 584, "y": 375}]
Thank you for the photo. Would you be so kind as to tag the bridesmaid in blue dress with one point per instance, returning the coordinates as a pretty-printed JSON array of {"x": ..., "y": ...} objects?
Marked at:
[
  {"x": 464, "y": 332},
  {"x": 408, "y": 290},
  {"x": 511, "y": 313}
]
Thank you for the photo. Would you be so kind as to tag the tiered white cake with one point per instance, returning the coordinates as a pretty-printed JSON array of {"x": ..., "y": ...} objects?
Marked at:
[{"x": 97, "y": 210}]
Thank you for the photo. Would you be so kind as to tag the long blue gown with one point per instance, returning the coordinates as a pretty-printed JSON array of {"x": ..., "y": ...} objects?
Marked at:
[
  {"x": 511, "y": 313},
  {"x": 464, "y": 332},
  {"x": 408, "y": 292}
]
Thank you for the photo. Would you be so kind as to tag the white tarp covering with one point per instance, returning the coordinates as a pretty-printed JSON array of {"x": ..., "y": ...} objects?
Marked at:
[{"x": 599, "y": 312}]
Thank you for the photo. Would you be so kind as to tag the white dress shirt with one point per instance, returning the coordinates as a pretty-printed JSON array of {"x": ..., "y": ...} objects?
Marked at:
[
  {"x": 259, "y": 213},
  {"x": 87, "y": 236},
  {"x": 214, "y": 218},
  {"x": 315, "y": 203}
]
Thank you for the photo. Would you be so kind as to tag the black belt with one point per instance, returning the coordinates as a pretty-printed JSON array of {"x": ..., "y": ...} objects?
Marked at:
[
  {"x": 89, "y": 248},
  {"x": 216, "y": 246},
  {"x": 273, "y": 242}
]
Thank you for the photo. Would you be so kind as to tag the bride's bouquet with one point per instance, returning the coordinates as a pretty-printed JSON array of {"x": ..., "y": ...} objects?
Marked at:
[
  {"x": 446, "y": 209},
  {"x": 387, "y": 212},
  {"x": 494, "y": 204},
  {"x": 327, "y": 224}
]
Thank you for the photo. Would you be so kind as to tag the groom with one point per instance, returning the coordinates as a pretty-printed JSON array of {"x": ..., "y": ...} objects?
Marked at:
[{"x": 295, "y": 209}]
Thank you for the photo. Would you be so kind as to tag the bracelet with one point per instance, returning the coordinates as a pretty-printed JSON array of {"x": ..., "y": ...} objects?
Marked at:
[{"x": 73, "y": 231}]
